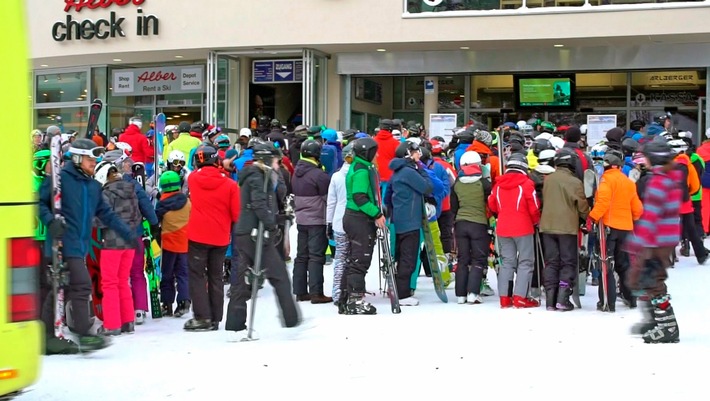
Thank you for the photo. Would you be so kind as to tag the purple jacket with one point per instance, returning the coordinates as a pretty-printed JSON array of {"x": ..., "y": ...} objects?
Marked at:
[{"x": 310, "y": 190}]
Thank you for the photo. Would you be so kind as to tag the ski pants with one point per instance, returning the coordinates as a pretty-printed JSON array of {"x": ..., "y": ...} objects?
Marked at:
[
  {"x": 560, "y": 260},
  {"x": 78, "y": 296},
  {"x": 405, "y": 254},
  {"x": 446, "y": 225},
  {"x": 117, "y": 302},
  {"x": 705, "y": 212},
  {"x": 690, "y": 233},
  {"x": 698, "y": 217},
  {"x": 620, "y": 263},
  {"x": 174, "y": 270},
  {"x": 473, "y": 242},
  {"x": 649, "y": 278},
  {"x": 206, "y": 284},
  {"x": 362, "y": 235},
  {"x": 139, "y": 285},
  {"x": 342, "y": 250},
  {"x": 518, "y": 257},
  {"x": 274, "y": 269},
  {"x": 310, "y": 258}
]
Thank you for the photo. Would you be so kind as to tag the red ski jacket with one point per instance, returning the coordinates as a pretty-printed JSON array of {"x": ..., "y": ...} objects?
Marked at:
[
  {"x": 215, "y": 206},
  {"x": 142, "y": 152},
  {"x": 386, "y": 146},
  {"x": 515, "y": 204}
]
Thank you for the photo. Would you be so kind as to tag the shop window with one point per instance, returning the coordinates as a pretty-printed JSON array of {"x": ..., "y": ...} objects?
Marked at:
[
  {"x": 61, "y": 87},
  {"x": 451, "y": 93},
  {"x": 491, "y": 92},
  {"x": 181, "y": 99},
  {"x": 601, "y": 89},
  {"x": 71, "y": 118},
  {"x": 99, "y": 83},
  {"x": 398, "y": 93},
  {"x": 653, "y": 93}
]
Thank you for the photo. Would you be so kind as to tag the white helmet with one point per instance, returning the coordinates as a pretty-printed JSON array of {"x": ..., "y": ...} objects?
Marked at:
[
  {"x": 583, "y": 129},
  {"x": 176, "y": 155},
  {"x": 520, "y": 124},
  {"x": 102, "y": 170},
  {"x": 414, "y": 139},
  {"x": 170, "y": 128},
  {"x": 544, "y": 135},
  {"x": 707, "y": 133},
  {"x": 678, "y": 146},
  {"x": 245, "y": 132},
  {"x": 546, "y": 156},
  {"x": 557, "y": 142},
  {"x": 126, "y": 148},
  {"x": 136, "y": 121},
  {"x": 469, "y": 158}
]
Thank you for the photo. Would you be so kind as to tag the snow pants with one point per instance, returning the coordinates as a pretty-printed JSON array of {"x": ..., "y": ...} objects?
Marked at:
[
  {"x": 139, "y": 284},
  {"x": 206, "y": 283},
  {"x": 620, "y": 263},
  {"x": 174, "y": 270},
  {"x": 342, "y": 250},
  {"x": 690, "y": 233},
  {"x": 310, "y": 258},
  {"x": 474, "y": 245},
  {"x": 118, "y": 301},
  {"x": 561, "y": 257},
  {"x": 446, "y": 225},
  {"x": 518, "y": 256},
  {"x": 405, "y": 255},
  {"x": 361, "y": 233}
]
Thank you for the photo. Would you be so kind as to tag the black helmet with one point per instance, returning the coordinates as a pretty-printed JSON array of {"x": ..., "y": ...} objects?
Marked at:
[
  {"x": 387, "y": 124},
  {"x": 405, "y": 149},
  {"x": 348, "y": 135},
  {"x": 264, "y": 121},
  {"x": 566, "y": 158},
  {"x": 264, "y": 151},
  {"x": 517, "y": 161},
  {"x": 311, "y": 148},
  {"x": 658, "y": 152},
  {"x": 253, "y": 141},
  {"x": 426, "y": 153},
  {"x": 315, "y": 130},
  {"x": 184, "y": 126},
  {"x": 198, "y": 126},
  {"x": 116, "y": 132},
  {"x": 301, "y": 131},
  {"x": 365, "y": 148},
  {"x": 206, "y": 155},
  {"x": 414, "y": 131},
  {"x": 465, "y": 137},
  {"x": 516, "y": 137},
  {"x": 85, "y": 147},
  {"x": 613, "y": 157},
  {"x": 275, "y": 123},
  {"x": 630, "y": 146},
  {"x": 541, "y": 144}
]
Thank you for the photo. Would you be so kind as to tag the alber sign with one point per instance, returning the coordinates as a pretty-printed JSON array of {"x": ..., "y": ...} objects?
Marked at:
[{"x": 101, "y": 29}]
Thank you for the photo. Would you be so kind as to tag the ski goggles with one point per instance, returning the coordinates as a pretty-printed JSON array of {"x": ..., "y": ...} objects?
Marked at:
[
  {"x": 180, "y": 163},
  {"x": 95, "y": 153}
]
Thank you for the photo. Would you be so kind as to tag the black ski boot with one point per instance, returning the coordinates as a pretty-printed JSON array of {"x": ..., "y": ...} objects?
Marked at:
[
  {"x": 199, "y": 325},
  {"x": 166, "y": 310},
  {"x": 647, "y": 323},
  {"x": 227, "y": 271},
  {"x": 666, "y": 329},
  {"x": 685, "y": 248},
  {"x": 89, "y": 343},
  {"x": 563, "y": 294},
  {"x": 356, "y": 305},
  {"x": 551, "y": 298},
  {"x": 183, "y": 308}
]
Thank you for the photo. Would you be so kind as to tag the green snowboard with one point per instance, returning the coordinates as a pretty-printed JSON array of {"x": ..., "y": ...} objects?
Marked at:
[{"x": 434, "y": 263}]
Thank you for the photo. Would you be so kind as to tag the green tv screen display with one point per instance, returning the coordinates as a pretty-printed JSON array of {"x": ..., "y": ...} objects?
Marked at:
[{"x": 545, "y": 92}]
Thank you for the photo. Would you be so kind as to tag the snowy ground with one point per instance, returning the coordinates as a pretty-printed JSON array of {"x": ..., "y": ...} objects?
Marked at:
[{"x": 447, "y": 351}]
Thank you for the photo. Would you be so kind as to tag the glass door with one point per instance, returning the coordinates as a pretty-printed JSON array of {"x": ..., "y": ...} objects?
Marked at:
[{"x": 315, "y": 87}]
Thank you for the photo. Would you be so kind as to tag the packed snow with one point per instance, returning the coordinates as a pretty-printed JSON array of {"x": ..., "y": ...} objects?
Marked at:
[{"x": 433, "y": 351}]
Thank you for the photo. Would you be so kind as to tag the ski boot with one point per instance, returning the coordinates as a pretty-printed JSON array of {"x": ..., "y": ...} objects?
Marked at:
[
  {"x": 226, "y": 272},
  {"x": 472, "y": 298},
  {"x": 60, "y": 346},
  {"x": 200, "y": 325},
  {"x": 647, "y": 323},
  {"x": 522, "y": 302},
  {"x": 166, "y": 310},
  {"x": 551, "y": 299},
  {"x": 140, "y": 317},
  {"x": 563, "y": 295},
  {"x": 183, "y": 307},
  {"x": 666, "y": 327},
  {"x": 685, "y": 248},
  {"x": 486, "y": 289},
  {"x": 128, "y": 328},
  {"x": 92, "y": 343},
  {"x": 356, "y": 305}
]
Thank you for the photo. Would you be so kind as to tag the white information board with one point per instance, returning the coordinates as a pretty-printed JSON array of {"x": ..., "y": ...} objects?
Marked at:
[
  {"x": 442, "y": 125},
  {"x": 597, "y": 126}
]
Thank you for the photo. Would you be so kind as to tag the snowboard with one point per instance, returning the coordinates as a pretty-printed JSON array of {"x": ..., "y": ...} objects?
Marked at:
[
  {"x": 439, "y": 284},
  {"x": 158, "y": 145},
  {"x": 94, "y": 112},
  {"x": 388, "y": 269},
  {"x": 93, "y": 264}
]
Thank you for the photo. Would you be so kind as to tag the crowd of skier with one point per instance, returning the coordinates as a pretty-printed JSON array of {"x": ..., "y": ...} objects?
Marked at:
[{"x": 530, "y": 201}]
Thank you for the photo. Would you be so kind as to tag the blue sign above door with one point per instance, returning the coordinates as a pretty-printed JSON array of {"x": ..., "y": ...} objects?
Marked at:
[{"x": 277, "y": 71}]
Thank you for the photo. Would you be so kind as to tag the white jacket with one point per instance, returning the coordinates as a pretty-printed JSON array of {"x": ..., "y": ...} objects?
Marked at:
[{"x": 337, "y": 199}]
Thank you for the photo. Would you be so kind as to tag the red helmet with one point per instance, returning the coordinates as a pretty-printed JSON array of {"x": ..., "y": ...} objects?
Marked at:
[{"x": 436, "y": 146}]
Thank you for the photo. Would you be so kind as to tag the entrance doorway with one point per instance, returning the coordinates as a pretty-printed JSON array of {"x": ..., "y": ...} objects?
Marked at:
[{"x": 281, "y": 101}]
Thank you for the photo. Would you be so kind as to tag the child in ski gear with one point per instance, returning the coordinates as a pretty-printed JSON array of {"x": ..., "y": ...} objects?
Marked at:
[
  {"x": 652, "y": 245},
  {"x": 215, "y": 208},
  {"x": 310, "y": 187},
  {"x": 618, "y": 204},
  {"x": 565, "y": 208},
  {"x": 257, "y": 181},
  {"x": 409, "y": 185},
  {"x": 116, "y": 253},
  {"x": 173, "y": 211},
  {"x": 363, "y": 216},
  {"x": 468, "y": 204},
  {"x": 514, "y": 203},
  {"x": 81, "y": 201},
  {"x": 176, "y": 163},
  {"x": 337, "y": 199}
]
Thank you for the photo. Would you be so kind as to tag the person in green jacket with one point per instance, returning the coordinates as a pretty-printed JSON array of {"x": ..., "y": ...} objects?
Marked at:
[
  {"x": 184, "y": 142},
  {"x": 40, "y": 167},
  {"x": 363, "y": 215}
]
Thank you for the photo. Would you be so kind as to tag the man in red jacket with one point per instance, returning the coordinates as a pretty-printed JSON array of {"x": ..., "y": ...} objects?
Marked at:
[
  {"x": 142, "y": 151},
  {"x": 386, "y": 146},
  {"x": 514, "y": 203},
  {"x": 215, "y": 207}
]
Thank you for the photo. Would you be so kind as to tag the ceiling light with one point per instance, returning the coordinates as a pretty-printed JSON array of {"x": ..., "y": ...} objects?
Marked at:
[
  {"x": 44, "y": 65},
  {"x": 558, "y": 45},
  {"x": 117, "y": 59},
  {"x": 80, "y": 98},
  {"x": 177, "y": 116},
  {"x": 464, "y": 47},
  {"x": 44, "y": 94},
  {"x": 178, "y": 56},
  {"x": 84, "y": 90},
  {"x": 62, "y": 92},
  {"x": 169, "y": 118},
  {"x": 184, "y": 114},
  {"x": 381, "y": 50}
]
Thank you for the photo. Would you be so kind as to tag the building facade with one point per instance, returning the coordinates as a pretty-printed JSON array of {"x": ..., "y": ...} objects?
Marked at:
[{"x": 348, "y": 63}]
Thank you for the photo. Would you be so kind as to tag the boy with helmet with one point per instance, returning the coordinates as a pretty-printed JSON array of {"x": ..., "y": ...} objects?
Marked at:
[
  {"x": 566, "y": 207},
  {"x": 259, "y": 205},
  {"x": 116, "y": 253},
  {"x": 517, "y": 210},
  {"x": 362, "y": 217},
  {"x": 545, "y": 166},
  {"x": 652, "y": 244},
  {"x": 468, "y": 205},
  {"x": 184, "y": 142},
  {"x": 173, "y": 211},
  {"x": 409, "y": 185},
  {"x": 618, "y": 204},
  {"x": 310, "y": 189},
  {"x": 142, "y": 151},
  {"x": 215, "y": 208},
  {"x": 81, "y": 202}
]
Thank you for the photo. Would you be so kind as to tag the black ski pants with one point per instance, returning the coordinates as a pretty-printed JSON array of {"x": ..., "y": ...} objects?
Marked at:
[
  {"x": 405, "y": 254},
  {"x": 310, "y": 258},
  {"x": 698, "y": 217},
  {"x": 77, "y": 296},
  {"x": 561, "y": 255},
  {"x": 446, "y": 226},
  {"x": 619, "y": 263},
  {"x": 691, "y": 233},
  {"x": 206, "y": 280},
  {"x": 474, "y": 245},
  {"x": 362, "y": 235},
  {"x": 274, "y": 270}
]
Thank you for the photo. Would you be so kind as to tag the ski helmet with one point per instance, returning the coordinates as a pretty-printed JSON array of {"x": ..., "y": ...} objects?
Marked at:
[
  {"x": 437, "y": 147},
  {"x": 387, "y": 125},
  {"x": 264, "y": 122},
  {"x": 85, "y": 147},
  {"x": 517, "y": 162},
  {"x": 629, "y": 146},
  {"x": 275, "y": 123},
  {"x": 222, "y": 141},
  {"x": 245, "y": 132},
  {"x": 516, "y": 137},
  {"x": 177, "y": 157},
  {"x": 125, "y": 148},
  {"x": 405, "y": 149},
  {"x": 103, "y": 170},
  {"x": 137, "y": 121},
  {"x": 264, "y": 152},
  {"x": 348, "y": 151},
  {"x": 253, "y": 141},
  {"x": 426, "y": 153},
  {"x": 206, "y": 155},
  {"x": 53, "y": 130},
  {"x": 365, "y": 148},
  {"x": 598, "y": 151},
  {"x": 613, "y": 158},
  {"x": 414, "y": 131},
  {"x": 566, "y": 158},
  {"x": 116, "y": 132},
  {"x": 541, "y": 144},
  {"x": 416, "y": 140},
  {"x": 678, "y": 146},
  {"x": 470, "y": 158},
  {"x": 546, "y": 157},
  {"x": 39, "y": 161},
  {"x": 301, "y": 131},
  {"x": 35, "y": 133},
  {"x": 547, "y": 126},
  {"x": 557, "y": 142},
  {"x": 184, "y": 126},
  {"x": 348, "y": 135},
  {"x": 658, "y": 153},
  {"x": 198, "y": 126},
  {"x": 170, "y": 182},
  {"x": 311, "y": 148}
]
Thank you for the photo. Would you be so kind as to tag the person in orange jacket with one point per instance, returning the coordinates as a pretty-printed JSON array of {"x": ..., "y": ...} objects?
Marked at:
[
  {"x": 482, "y": 146},
  {"x": 618, "y": 205}
]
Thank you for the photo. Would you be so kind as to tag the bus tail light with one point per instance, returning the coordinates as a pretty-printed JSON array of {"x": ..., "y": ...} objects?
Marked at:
[{"x": 23, "y": 261}]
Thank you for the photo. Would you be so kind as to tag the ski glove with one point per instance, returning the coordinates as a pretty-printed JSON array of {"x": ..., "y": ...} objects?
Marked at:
[
  {"x": 56, "y": 227},
  {"x": 329, "y": 232},
  {"x": 430, "y": 211}
]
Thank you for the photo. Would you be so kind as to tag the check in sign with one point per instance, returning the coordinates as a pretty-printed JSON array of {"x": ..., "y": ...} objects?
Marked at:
[{"x": 277, "y": 71}]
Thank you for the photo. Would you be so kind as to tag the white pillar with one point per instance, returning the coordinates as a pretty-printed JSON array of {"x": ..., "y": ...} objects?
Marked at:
[{"x": 431, "y": 98}]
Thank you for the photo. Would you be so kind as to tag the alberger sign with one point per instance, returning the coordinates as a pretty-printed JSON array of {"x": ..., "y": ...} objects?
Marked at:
[{"x": 74, "y": 29}]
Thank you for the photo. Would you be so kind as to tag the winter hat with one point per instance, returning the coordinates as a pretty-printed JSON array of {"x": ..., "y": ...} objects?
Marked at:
[
  {"x": 231, "y": 153},
  {"x": 615, "y": 134},
  {"x": 573, "y": 134},
  {"x": 396, "y": 133},
  {"x": 517, "y": 162},
  {"x": 484, "y": 137},
  {"x": 330, "y": 135},
  {"x": 639, "y": 158}
]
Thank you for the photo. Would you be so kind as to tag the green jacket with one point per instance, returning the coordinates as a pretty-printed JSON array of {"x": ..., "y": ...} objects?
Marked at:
[
  {"x": 699, "y": 165},
  {"x": 360, "y": 184},
  {"x": 469, "y": 199}
]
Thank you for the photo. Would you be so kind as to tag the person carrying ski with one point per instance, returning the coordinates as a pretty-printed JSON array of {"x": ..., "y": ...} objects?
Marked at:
[
  {"x": 652, "y": 245},
  {"x": 173, "y": 211},
  {"x": 337, "y": 201},
  {"x": 363, "y": 216},
  {"x": 215, "y": 208},
  {"x": 566, "y": 207},
  {"x": 81, "y": 201},
  {"x": 515, "y": 205},
  {"x": 616, "y": 204},
  {"x": 468, "y": 205},
  {"x": 256, "y": 181}
]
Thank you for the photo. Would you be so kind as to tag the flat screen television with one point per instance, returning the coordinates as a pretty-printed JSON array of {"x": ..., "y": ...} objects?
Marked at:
[{"x": 543, "y": 92}]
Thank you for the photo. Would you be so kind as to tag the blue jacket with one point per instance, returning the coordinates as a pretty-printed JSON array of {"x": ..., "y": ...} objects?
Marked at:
[
  {"x": 438, "y": 176},
  {"x": 338, "y": 154},
  {"x": 628, "y": 165},
  {"x": 329, "y": 158},
  {"x": 246, "y": 156},
  {"x": 144, "y": 204},
  {"x": 81, "y": 202},
  {"x": 460, "y": 150},
  {"x": 405, "y": 194}
]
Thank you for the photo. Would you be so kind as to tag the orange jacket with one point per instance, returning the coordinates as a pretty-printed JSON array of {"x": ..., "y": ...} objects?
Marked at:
[
  {"x": 174, "y": 213},
  {"x": 617, "y": 201},
  {"x": 693, "y": 183},
  {"x": 493, "y": 160}
]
